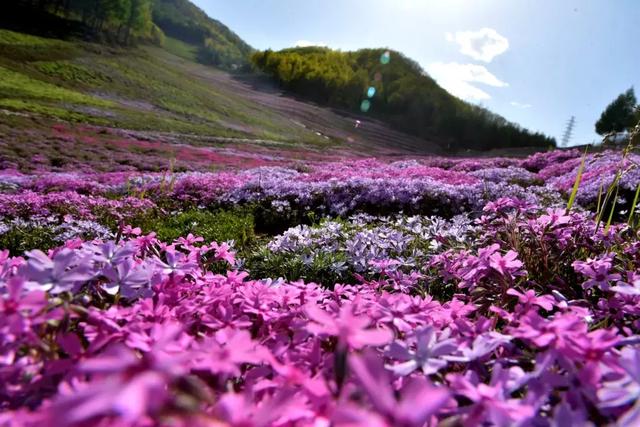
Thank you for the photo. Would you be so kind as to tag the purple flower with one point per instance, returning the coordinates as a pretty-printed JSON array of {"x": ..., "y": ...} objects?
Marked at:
[
  {"x": 597, "y": 270},
  {"x": 62, "y": 273},
  {"x": 428, "y": 353},
  {"x": 176, "y": 262},
  {"x": 228, "y": 351},
  {"x": 132, "y": 280},
  {"x": 629, "y": 287},
  {"x": 625, "y": 389},
  {"x": 129, "y": 397},
  {"x": 481, "y": 346},
  {"x": 492, "y": 402}
]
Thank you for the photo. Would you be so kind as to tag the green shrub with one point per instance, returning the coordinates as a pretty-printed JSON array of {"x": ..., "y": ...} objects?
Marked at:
[
  {"x": 219, "y": 226},
  {"x": 320, "y": 269},
  {"x": 20, "y": 239}
]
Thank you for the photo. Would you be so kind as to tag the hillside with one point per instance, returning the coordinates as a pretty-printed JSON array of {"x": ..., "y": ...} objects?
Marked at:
[
  {"x": 395, "y": 89},
  {"x": 159, "y": 100},
  {"x": 215, "y": 43},
  {"x": 137, "y": 68},
  {"x": 129, "y": 23}
]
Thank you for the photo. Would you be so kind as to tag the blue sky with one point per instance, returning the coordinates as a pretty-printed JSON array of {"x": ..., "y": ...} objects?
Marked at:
[{"x": 536, "y": 63}]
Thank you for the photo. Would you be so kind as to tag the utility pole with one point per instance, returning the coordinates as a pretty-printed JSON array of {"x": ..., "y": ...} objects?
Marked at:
[{"x": 568, "y": 132}]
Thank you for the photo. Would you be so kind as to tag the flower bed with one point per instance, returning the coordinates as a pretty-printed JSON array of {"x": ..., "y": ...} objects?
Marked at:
[{"x": 438, "y": 292}]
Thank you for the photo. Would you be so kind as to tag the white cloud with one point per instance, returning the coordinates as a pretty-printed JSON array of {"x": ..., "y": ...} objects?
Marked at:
[
  {"x": 458, "y": 79},
  {"x": 520, "y": 104},
  {"x": 482, "y": 45},
  {"x": 307, "y": 43}
]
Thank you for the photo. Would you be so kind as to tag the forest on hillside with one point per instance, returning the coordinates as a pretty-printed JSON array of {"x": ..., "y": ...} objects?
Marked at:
[
  {"x": 217, "y": 44},
  {"x": 394, "y": 88},
  {"x": 127, "y": 22},
  {"x": 116, "y": 21}
]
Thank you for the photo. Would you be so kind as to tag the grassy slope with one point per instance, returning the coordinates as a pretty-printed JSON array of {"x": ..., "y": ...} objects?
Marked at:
[
  {"x": 154, "y": 101},
  {"x": 144, "y": 89}
]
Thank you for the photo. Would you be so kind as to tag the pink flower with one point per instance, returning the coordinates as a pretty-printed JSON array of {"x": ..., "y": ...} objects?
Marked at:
[
  {"x": 529, "y": 298},
  {"x": 127, "y": 230},
  {"x": 224, "y": 253},
  {"x": 228, "y": 351},
  {"x": 418, "y": 400},
  {"x": 553, "y": 217},
  {"x": 123, "y": 384},
  {"x": 507, "y": 265},
  {"x": 352, "y": 331},
  {"x": 190, "y": 240}
]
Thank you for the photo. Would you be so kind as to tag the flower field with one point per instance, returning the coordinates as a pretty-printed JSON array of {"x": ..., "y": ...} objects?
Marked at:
[{"x": 421, "y": 292}]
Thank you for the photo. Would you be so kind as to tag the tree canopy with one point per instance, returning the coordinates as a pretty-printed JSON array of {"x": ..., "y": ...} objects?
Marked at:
[
  {"x": 130, "y": 21},
  {"x": 120, "y": 21},
  {"x": 394, "y": 88},
  {"x": 620, "y": 115}
]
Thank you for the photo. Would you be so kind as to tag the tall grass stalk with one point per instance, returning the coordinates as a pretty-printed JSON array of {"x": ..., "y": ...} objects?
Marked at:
[
  {"x": 613, "y": 208},
  {"x": 614, "y": 187},
  {"x": 633, "y": 205},
  {"x": 576, "y": 184}
]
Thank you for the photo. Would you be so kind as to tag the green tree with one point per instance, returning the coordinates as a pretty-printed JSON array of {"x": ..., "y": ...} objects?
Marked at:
[
  {"x": 405, "y": 97},
  {"x": 139, "y": 22},
  {"x": 621, "y": 114}
]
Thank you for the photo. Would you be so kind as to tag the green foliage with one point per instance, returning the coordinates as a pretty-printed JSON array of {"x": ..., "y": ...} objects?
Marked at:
[
  {"x": 143, "y": 88},
  {"x": 119, "y": 21},
  {"x": 40, "y": 108},
  {"x": 20, "y": 239},
  {"x": 219, "y": 226},
  {"x": 25, "y": 47},
  {"x": 404, "y": 95},
  {"x": 22, "y": 87},
  {"x": 576, "y": 184},
  {"x": 216, "y": 43},
  {"x": 183, "y": 50},
  {"x": 264, "y": 263},
  {"x": 71, "y": 72},
  {"x": 620, "y": 115}
]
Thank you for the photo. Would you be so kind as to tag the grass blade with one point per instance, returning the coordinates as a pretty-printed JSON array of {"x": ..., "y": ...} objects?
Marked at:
[
  {"x": 613, "y": 208},
  {"x": 599, "y": 206},
  {"x": 576, "y": 184},
  {"x": 633, "y": 205}
]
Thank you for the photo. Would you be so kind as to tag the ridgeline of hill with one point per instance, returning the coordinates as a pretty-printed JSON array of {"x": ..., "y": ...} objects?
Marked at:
[
  {"x": 395, "y": 89},
  {"x": 132, "y": 64}
]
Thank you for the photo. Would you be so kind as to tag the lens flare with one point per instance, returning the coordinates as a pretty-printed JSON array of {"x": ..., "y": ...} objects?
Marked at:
[
  {"x": 365, "y": 105},
  {"x": 377, "y": 77},
  {"x": 371, "y": 91},
  {"x": 385, "y": 58}
]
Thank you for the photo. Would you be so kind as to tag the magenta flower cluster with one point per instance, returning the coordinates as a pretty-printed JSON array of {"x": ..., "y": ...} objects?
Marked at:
[
  {"x": 436, "y": 186},
  {"x": 138, "y": 332},
  {"x": 516, "y": 313}
]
